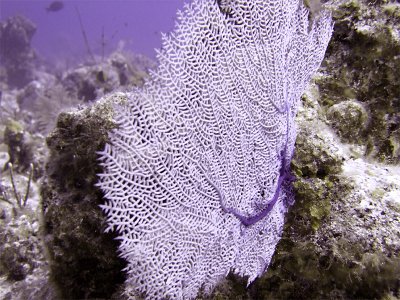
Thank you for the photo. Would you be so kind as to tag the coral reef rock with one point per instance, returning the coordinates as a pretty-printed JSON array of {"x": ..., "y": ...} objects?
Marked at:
[
  {"x": 83, "y": 260},
  {"x": 15, "y": 52},
  {"x": 90, "y": 82},
  {"x": 362, "y": 64}
]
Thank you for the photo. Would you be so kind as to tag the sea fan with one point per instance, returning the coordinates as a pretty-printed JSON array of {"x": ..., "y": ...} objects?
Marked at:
[{"x": 196, "y": 174}]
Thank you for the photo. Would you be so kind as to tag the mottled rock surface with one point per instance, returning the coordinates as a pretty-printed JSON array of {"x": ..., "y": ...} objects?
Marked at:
[
  {"x": 349, "y": 120},
  {"x": 362, "y": 65},
  {"x": 83, "y": 260}
]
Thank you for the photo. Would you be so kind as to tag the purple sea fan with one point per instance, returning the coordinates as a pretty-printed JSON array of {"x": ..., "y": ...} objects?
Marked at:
[{"x": 196, "y": 174}]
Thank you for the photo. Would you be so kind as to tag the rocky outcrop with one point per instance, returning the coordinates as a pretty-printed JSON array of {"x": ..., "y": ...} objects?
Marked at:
[
  {"x": 90, "y": 82},
  {"x": 362, "y": 64},
  {"x": 84, "y": 261},
  {"x": 15, "y": 52}
]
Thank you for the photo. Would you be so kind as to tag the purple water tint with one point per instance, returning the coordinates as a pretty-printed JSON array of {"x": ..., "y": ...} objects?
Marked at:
[{"x": 138, "y": 23}]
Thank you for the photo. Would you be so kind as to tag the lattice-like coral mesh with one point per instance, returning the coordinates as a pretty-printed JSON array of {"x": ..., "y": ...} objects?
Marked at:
[{"x": 205, "y": 146}]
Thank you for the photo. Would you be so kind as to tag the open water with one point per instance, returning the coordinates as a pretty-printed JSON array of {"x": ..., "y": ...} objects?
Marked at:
[{"x": 134, "y": 24}]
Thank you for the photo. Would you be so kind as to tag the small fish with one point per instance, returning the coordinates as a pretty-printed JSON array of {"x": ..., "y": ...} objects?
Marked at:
[{"x": 55, "y": 6}]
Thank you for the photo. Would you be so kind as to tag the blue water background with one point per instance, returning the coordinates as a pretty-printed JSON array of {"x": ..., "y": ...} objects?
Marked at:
[{"x": 138, "y": 23}]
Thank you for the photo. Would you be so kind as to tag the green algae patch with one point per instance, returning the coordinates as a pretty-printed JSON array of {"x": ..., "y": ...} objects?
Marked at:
[
  {"x": 21, "y": 148},
  {"x": 314, "y": 198},
  {"x": 14, "y": 139},
  {"x": 314, "y": 157}
]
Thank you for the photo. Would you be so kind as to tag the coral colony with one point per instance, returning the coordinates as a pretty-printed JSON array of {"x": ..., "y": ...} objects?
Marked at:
[{"x": 196, "y": 176}]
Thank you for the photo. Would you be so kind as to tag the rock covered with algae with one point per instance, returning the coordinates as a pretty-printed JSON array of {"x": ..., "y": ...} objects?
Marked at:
[
  {"x": 362, "y": 66},
  {"x": 341, "y": 238},
  {"x": 83, "y": 260}
]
